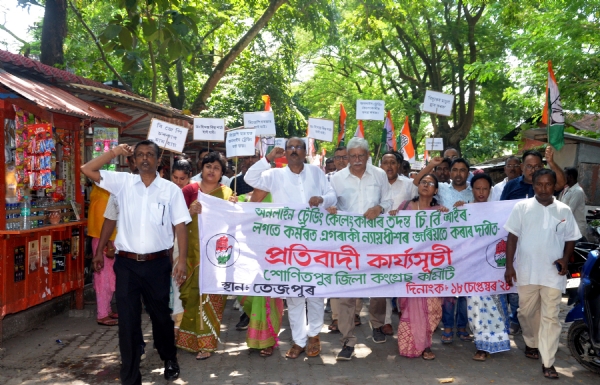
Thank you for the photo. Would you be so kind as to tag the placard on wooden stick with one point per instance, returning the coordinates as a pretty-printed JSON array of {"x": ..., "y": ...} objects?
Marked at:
[
  {"x": 321, "y": 129},
  {"x": 262, "y": 121},
  {"x": 240, "y": 142},
  {"x": 168, "y": 136},
  {"x": 434, "y": 144},
  {"x": 370, "y": 110},
  {"x": 438, "y": 103},
  {"x": 209, "y": 129}
]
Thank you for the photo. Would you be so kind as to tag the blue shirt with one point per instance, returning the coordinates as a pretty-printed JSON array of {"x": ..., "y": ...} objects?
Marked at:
[
  {"x": 517, "y": 189},
  {"x": 448, "y": 195}
]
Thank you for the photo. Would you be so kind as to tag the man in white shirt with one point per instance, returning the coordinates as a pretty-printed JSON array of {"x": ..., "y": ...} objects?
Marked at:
[
  {"x": 574, "y": 197},
  {"x": 362, "y": 189},
  {"x": 512, "y": 169},
  {"x": 296, "y": 183},
  {"x": 542, "y": 234},
  {"x": 150, "y": 208}
]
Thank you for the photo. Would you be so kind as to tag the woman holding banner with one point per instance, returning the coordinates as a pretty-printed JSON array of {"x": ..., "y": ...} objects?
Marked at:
[
  {"x": 201, "y": 324},
  {"x": 419, "y": 316},
  {"x": 488, "y": 315}
]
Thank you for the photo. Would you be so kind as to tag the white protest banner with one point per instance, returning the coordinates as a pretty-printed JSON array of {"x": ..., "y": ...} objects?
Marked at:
[
  {"x": 320, "y": 129},
  {"x": 168, "y": 136},
  {"x": 294, "y": 251},
  {"x": 438, "y": 103},
  {"x": 240, "y": 142},
  {"x": 280, "y": 142},
  {"x": 370, "y": 110},
  {"x": 434, "y": 144},
  {"x": 209, "y": 129},
  {"x": 262, "y": 121}
]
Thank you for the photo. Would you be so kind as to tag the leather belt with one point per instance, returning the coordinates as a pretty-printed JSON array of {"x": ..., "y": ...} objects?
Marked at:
[{"x": 143, "y": 257}]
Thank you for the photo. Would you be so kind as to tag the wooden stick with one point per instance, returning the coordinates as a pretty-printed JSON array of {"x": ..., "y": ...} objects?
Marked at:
[{"x": 235, "y": 178}]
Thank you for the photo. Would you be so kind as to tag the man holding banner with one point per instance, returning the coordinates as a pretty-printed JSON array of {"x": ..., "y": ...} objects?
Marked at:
[
  {"x": 296, "y": 183},
  {"x": 361, "y": 188}
]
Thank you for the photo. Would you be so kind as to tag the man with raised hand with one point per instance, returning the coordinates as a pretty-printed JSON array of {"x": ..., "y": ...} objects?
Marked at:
[
  {"x": 150, "y": 208},
  {"x": 305, "y": 184},
  {"x": 362, "y": 189}
]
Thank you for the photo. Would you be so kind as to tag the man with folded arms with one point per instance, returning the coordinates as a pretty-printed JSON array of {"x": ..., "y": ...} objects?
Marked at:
[
  {"x": 150, "y": 208},
  {"x": 296, "y": 183},
  {"x": 362, "y": 189}
]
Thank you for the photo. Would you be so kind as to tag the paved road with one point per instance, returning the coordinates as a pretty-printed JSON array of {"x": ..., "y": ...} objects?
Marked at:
[{"x": 88, "y": 354}]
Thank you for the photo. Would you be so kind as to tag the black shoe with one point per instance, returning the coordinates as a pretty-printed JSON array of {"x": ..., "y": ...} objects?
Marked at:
[
  {"x": 378, "y": 336},
  {"x": 171, "y": 370},
  {"x": 244, "y": 322},
  {"x": 346, "y": 353}
]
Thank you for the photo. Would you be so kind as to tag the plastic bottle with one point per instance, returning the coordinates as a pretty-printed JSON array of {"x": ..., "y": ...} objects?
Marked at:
[{"x": 25, "y": 214}]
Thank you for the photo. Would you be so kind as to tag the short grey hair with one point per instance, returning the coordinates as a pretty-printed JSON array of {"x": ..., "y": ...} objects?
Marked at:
[{"x": 358, "y": 143}]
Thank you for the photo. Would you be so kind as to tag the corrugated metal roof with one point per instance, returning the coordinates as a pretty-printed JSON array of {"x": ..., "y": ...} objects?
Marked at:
[{"x": 57, "y": 100}]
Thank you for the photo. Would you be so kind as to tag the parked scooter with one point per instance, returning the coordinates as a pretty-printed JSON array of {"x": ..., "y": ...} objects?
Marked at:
[
  {"x": 584, "y": 333},
  {"x": 575, "y": 266}
]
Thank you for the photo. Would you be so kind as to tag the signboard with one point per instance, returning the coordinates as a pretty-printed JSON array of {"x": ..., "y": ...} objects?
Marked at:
[
  {"x": 209, "y": 129},
  {"x": 438, "y": 103},
  {"x": 294, "y": 251},
  {"x": 240, "y": 142},
  {"x": 262, "y": 121},
  {"x": 168, "y": 136},
  {"x": 321, "y": 129},
  {"x": 370, "y": 110},
  {"x": 434, "y": 144}
]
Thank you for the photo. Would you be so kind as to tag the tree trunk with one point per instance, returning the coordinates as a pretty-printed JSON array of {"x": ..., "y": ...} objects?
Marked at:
[
  {"x": 54, "y": 31},
  {"x": 199, "y": 103}
]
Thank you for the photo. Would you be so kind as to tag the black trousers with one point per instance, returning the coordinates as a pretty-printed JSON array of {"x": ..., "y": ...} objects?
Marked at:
[{"x": 150, "y": 280}]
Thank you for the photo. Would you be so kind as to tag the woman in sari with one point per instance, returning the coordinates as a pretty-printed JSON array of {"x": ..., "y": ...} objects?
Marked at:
[
  {"x": 180, "y": 175},
  {"x": 487, "y": 314},
  {"x": 201, "y": 324},
  {"x": 419, "y": 316},
  {"x": 265, "y": 313}
]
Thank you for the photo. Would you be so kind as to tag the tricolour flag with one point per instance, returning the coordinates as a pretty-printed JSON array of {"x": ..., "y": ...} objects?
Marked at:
[
  {"x": 342, "y": 127},
  {"x": 267, "y": 100},
  {"x": 360, "y": 130},
  {"x": 262, "y": 145},
  {"x": 552, "y": 116},
  {"x": 389, "y": 132},
  {"x": 406, "y": 144}
]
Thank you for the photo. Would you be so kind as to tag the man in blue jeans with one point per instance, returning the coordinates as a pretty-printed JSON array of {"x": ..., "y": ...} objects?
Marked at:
[{"x": 522, "y": 188}]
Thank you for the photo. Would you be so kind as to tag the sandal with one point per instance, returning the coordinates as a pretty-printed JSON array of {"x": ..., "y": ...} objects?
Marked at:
[
  {"x": 294, "y": 351},
  {"x": 464, "y": 336},
  {"x": 449, "y": 337},
  {"x": 550, "y": 372},
  {"x": 428, "y": 355},
  {"x": 532, "y": 353},
  {"x": 202, "y": 355},
  {"x": 357, "y": 320},
  {"x": 480, "y": 355},
  {"x": 334, "y": 326},
  {"x": 266, "y": 352},
  {"x": 114, "y": 315},
  {"x": 313, "y": 347},
  {"x": 107, "y": 321}
]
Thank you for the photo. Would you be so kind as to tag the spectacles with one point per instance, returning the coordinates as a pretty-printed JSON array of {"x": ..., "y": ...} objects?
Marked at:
[
  {"x": 512, "y": 166},
  {"x": 535, "y": 168},
  {"x": 425, "y": 183},
  {"x": 339, "y": 157},
  {"x": 294, "y": 148},
  {"x": 359, "y": 157},
  {"x": 142, "y": 155}
]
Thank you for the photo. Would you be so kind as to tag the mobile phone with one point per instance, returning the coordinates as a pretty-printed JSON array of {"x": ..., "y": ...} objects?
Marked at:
[{"x": 558, "y": 266}]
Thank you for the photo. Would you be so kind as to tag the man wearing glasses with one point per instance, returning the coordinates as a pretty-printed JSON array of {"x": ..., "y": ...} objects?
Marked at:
[
  {"x": 512, "y": 169},
  {"x": 296, "y": 183},
  {"x": 364, "y": 189}
]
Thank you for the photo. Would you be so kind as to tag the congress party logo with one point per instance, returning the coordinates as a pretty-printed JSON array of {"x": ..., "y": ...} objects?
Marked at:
[
  {"x": 495, "y": 254},
  {"x": 222, "y": 250}
]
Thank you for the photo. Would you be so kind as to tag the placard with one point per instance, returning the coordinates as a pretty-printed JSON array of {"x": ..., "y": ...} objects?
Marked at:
[
  {"x": 434, "y": 144},
  {"x": 370, "y": 110},
  {"x": 45, "y": 242},
  {"x": 438, "y": 103},
  {"x": 240, "y": 142},
  {"x": 33, "y": 256},
  {"x": 211, "y": 129},
  {"x": 262, "y": 121},
  {"x": 280, "y": 142},
  {"x": 321, "y": 129},
  {"x": 168, "y": 136}
]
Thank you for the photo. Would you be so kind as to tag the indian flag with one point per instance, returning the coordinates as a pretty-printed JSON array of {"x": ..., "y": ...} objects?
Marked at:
[
  {"x": 408, "y": 150},
  {"x": 360, "y": 130},
  {"x": 553, "y": 116}
]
